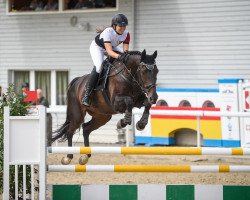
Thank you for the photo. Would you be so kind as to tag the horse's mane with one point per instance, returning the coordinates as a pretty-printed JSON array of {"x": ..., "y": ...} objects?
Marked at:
[
  {"x": 134, "y": 52},
  {"x": 72, "y": 82}
]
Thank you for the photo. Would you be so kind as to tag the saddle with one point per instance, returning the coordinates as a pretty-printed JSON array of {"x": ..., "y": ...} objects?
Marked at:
[{"x": 103, "y": 77}]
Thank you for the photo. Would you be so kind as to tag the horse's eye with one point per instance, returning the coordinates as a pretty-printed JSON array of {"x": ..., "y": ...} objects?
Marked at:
[{"x": 144, "y": 69}]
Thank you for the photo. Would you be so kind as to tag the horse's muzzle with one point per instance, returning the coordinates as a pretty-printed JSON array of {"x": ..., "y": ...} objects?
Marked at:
[
  {"x": 151, "y": 93},
  {"x": 153, "y": 98}
]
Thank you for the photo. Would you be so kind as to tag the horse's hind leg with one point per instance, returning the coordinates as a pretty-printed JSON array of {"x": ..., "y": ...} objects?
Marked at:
[
  {"x": 67, "y": 160},
  {"x": 74, "y": 124},
  {"x": 96, "y": 122}
]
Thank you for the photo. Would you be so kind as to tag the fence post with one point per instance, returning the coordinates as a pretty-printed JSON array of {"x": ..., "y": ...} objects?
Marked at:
[
  {"x": 19, "y": 131},
  {"x": 198, "y": 131}
]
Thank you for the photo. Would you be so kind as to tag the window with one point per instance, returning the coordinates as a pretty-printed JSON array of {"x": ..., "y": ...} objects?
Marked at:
[
  {"x": 208, "y": 104},
  {"x": 43, "y": 82},
  {"x": 20, "y": 77},
  {"x": 86, "y": 4},
  {"x": 161, "y": 102},
  {"x": 61, "y": 87},
  {"x": 33, "y": 5},
  {"x": 184, "y": 103},
  {"x": 53, "y": 83},
  {"x": 57, "y": 6},
  {"x": 0, "y": 92}
]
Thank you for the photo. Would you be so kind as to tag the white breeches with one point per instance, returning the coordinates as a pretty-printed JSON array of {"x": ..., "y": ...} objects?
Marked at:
[{"x": 97, "y": 54}]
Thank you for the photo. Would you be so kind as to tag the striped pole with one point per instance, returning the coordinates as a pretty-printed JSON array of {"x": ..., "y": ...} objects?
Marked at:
[
  {"x": 143, "y": 168},
  {"x": 151, "y": 150},
  {"x": 150, "y": 191}
]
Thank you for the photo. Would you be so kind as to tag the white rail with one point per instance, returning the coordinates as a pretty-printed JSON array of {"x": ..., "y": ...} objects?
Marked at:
[{"x": 151, "y": 150}]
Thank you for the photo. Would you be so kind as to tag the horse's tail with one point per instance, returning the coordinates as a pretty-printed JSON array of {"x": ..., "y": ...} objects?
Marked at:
[{"x": 63, "y": 130}]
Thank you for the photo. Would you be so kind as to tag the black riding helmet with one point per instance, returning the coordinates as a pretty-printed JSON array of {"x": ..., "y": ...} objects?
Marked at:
[{"x": 119, "y": 20}]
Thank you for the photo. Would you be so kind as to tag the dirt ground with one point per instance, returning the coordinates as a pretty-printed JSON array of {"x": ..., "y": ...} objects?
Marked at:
[{"x": 151, "y": 178}]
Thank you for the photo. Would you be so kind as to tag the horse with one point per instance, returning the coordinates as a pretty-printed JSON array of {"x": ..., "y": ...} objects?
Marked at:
[{"x": 131, "y": 83}]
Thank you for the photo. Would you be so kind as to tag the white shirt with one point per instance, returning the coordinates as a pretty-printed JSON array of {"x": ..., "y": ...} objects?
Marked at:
[{"x": 109, "y": 35}]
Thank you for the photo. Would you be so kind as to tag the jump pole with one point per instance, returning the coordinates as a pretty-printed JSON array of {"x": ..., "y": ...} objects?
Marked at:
[
  {"x": 151, "y": 150},
  {"x": 143, "y": 168}
]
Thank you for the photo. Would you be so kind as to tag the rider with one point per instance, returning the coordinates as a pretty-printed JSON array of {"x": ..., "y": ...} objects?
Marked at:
[{"x": 107, "y": 41}]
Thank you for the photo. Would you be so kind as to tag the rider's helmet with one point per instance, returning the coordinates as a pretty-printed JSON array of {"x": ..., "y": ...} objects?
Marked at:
[{"x": 120, "y": 20}]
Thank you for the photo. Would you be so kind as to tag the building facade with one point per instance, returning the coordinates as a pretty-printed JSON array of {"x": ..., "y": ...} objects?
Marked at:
[{"x": 198, "y": 41}]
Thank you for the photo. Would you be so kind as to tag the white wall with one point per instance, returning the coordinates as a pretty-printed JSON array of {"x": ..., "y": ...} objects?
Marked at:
[
  {"x": 48, "y": 41},
  {"x": 198, "y": 41}
]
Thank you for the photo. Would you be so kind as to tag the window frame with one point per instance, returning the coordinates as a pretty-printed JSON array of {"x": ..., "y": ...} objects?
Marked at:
[
  {"x": 32, "y": 81},
  {"x": 61, "y": 10}
]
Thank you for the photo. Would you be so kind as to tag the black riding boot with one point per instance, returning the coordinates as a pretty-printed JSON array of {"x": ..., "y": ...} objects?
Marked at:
[{"x": 90, "y": 86}]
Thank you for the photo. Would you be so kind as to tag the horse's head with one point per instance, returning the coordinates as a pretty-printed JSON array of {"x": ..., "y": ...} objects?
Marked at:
[{"x": 148, "y": 75}]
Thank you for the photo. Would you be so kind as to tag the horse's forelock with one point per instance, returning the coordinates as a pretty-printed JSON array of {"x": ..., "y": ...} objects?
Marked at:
[{"x": 149, "y": 59}]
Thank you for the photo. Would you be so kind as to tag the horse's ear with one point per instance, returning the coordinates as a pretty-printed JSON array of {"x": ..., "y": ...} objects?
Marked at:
[
  {"x": 155, "y": 54},
  {"x": 143, "y": 55}
]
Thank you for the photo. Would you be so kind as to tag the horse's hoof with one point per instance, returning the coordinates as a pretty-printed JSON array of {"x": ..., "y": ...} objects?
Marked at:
[
  {"x": 119, "y": 125},
  {"x": 65, "y": 160},
  {"x": 139, "y": 127},
  {"x": 83, "y": 159}
]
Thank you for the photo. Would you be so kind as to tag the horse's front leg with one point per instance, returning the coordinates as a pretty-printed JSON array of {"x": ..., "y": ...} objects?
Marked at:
[
  {"x": 128, "y": 101},
  {"x": 85, "y": 157},
  {"x": 140, "y": 125},
  {"x": 122, "y": 123}
]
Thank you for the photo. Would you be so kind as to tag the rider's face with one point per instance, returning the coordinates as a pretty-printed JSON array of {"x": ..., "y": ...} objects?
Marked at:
[{"x": 120, "y": 29}]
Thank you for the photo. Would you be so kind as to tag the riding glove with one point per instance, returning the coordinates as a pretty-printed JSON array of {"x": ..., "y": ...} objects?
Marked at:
[{"x": 122, "y": 57}]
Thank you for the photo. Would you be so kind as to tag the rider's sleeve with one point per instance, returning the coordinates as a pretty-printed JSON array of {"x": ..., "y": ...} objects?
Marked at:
[
  {"x": 127, "y": 40},
  {"x": 106, "y": 36}
]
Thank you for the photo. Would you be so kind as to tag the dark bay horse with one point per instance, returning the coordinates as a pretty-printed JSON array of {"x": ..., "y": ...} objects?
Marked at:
[{"x": 130, "y": 84}]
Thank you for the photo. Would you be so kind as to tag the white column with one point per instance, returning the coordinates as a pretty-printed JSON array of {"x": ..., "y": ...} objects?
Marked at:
[
  {"x": 32, "y": 80},
  {"x": 53, "y": 87},
  {"x": 43, "y": 153}
]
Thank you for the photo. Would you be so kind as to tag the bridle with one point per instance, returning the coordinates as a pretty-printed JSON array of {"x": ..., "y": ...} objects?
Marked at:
[
  {"x": 140, "y": 82},
  {"x": 150, "y": 68}
]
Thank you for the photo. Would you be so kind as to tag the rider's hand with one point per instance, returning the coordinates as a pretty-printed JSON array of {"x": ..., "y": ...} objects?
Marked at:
[{"x": 122, "y": 57}]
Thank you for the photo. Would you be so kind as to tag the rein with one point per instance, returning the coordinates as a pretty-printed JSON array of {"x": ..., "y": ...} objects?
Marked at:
[{"x": 149, "y": 67}]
